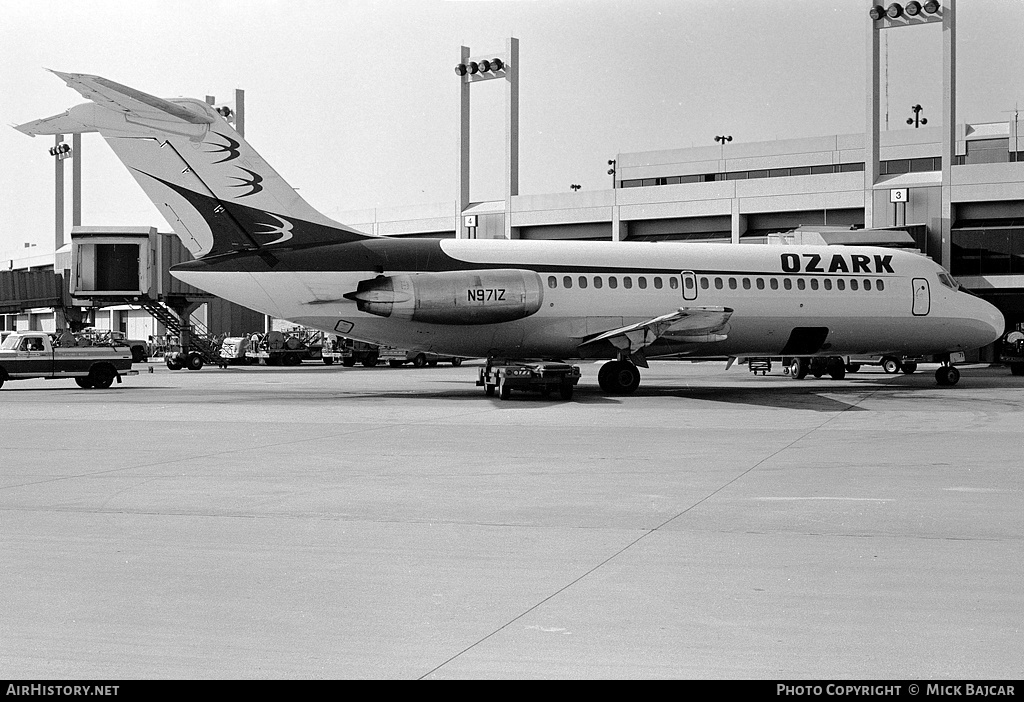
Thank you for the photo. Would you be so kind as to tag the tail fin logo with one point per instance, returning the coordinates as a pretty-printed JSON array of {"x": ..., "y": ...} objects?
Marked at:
[
  {"x": 246, "y": 183},
  {"x": 284, "y": 229},
  {"x": 231, "y": 148}
]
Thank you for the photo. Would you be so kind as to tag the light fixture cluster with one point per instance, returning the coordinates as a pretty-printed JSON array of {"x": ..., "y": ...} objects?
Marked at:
[
  {"x": 910, "y": 9},
  {"x": 494, "y": 65},
  {"x": 61, "y": 151}
]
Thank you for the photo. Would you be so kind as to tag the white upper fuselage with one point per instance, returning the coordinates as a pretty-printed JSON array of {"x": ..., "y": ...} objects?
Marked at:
[{"x": 869, "y": 300}]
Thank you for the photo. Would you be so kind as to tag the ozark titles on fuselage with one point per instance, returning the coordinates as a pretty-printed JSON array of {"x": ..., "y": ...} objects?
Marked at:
[{"x": 840, "y": 263}]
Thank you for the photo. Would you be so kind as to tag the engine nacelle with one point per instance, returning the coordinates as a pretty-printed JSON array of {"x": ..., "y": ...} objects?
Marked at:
[{"x": 456, "y": 297}]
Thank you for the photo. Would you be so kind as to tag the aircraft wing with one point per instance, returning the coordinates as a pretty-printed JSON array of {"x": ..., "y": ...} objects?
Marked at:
[{"x": 685, "y": 325}]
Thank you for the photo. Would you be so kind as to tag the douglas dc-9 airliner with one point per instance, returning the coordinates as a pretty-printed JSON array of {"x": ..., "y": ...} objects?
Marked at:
[{"x": 258, "y": 243}]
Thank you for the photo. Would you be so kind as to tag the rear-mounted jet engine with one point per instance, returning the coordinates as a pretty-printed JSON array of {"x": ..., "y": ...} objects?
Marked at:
[{"x": 456, "y": 297}]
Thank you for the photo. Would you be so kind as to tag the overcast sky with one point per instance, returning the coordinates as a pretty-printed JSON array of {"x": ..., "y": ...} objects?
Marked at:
[{"x": 356, "y": 103}]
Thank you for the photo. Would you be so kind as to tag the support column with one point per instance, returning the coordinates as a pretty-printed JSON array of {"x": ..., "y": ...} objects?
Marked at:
[
  {"x": 76, "y": 180},
  {"x": 58, "y": 211},
  {"x": 511, "y": 131},
  {"x": 463, "y": 170},
  {"x": 872, "y": 121},
  {"x": 948, "y": 130}
]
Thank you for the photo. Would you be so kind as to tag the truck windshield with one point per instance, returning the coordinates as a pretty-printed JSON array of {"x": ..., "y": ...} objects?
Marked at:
[{"x": 10, "y": 343}]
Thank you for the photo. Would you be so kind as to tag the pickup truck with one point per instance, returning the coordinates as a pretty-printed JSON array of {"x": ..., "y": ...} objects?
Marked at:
[{"x": 27, "y": 354}]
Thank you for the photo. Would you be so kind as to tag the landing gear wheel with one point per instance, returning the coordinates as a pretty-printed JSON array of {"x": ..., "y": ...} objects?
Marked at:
[
  {"x": 947, "y": 376},
  {"x": 798, "y": 369},
  {"x": 195, "y": 361},
  {"x": 503, "y": 390},
  {"x": 908, "y": 367},
  {"x": 618, "y": 378},
  {"x": 890, "y": 365}
]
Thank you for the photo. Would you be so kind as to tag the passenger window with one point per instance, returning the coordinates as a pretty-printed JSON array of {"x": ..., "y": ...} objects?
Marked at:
[
  {"x": 787, "y": 283},
  {"x": 760, "y": 283},
  {"x": 746, "y": 283},
  {"x": 840, "y": 284},
  {"x": 552, "y": 281},
  {"x": 867, "y": 284},
  {"x": 627, "y": 282},
  {"x": 814, "y": 283},
  {"x": 879, "y": 285},
  {"x": 704, "y": 283},
  {"x": 801, "y": 283},
  {"x": 567, "y": 282},
  {"x": 642, "y": 282},
  {"x": 719, "y": 284},
  {"x": 657, "y": 283},
  {"x": 674, "y": 283},
  {"x": 732, "y": 283},
  {"x": 613, "y": 282},
  {"x": 583, "y": 281},
  {"x": 598, "y": 282},
  {"x": 774, "y": 283},
  {"x": 828, "y": 283},
  {"x": 853, "y": 284}
]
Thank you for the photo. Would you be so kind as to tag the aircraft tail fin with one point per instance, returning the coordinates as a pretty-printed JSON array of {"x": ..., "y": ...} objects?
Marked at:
[{"x": 215, "y": 191}]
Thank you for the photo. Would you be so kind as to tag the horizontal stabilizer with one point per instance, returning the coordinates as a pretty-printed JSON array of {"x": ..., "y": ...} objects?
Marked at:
[{"x": 121, "y": 98}]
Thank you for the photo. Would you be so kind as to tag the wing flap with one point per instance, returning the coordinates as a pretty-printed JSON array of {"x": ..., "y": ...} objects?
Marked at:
[{"x": 685, "y": 325}]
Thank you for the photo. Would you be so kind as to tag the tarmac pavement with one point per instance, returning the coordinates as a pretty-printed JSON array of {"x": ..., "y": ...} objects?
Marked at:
[{"x": 395, "y": 523}]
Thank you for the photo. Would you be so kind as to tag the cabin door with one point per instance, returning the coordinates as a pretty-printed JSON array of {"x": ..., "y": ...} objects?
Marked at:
[
  {"x": 922, "y": 297},
  {"x": 689, "y": 285}
]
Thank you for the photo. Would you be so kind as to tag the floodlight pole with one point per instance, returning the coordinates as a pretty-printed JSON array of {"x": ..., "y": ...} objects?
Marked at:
[
  {"x": 510, "y": 74},
  {"x": 876, "y": 201}
]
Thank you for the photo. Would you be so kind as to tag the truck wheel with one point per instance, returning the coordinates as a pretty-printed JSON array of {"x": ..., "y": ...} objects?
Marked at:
[
  {"x": 456, "y": 362},
  {"x": 908, "y": 367},
  {"x": 327, "y": 361},
  {"x": 195, "y": 361},
  {"x": 292, "y": 359},
  {"x": 890, "y": 365},
  {"x": 565, "y": 391},
  {"x": 489, "y": 390},
  {"x": 395, "y": 363},
  {"x": 853, "y": 368},
  {"x": 102, "y": 377},
  {"x": 420, "y": 360},
  {"x": 139, "y": 355},
  {"x": 83, "y": 382},
  {"x": 174, "y": 364},
  {"x": 348, "y": 362},
  {"x": 503, "y": 390},
  {"x": 371, "y": 361},
  {"x": 798, "y": 369},
  {"x": 1, "y": 381},
  {"x": 1017, "y": 368}
]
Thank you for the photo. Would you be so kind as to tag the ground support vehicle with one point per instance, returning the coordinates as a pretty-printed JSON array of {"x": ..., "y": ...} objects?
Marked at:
[
  {"x": 837, "y": 366},
  {"x": 233, "y": 351},
  {"x": 759, "y": 365},
  {"x": 1012, "y": 351},
  {"x": 397, "y": 357},
  {"x": 889, "y": 364},
  {"x": 276, "y": 349},
  {"x": 350, "y": 352},
  {"x": 539, "y": 377},
  {"x": 26, "y": 355}
]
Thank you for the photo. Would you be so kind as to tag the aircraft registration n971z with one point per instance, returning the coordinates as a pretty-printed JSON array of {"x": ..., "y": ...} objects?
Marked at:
[{"x": 258, "y": 243}]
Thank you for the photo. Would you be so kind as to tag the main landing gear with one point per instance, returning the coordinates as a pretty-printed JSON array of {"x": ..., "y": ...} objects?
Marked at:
[
  {"x": 947, "y": 375},
  {"x": 619, "y": 377}
]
